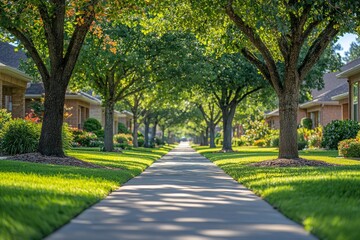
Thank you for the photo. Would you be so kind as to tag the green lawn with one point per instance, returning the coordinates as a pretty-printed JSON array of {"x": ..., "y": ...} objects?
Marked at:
[
  {"x": 325, "y": 200},
  {"x": 36, "y": 199}
]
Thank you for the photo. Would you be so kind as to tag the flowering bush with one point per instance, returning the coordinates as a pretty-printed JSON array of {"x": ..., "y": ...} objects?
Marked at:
[
  {"x": 123, "y": 138},
  {"x": 83, "y": 138},
  {"x": 256, "y": 130},
  {"x": 337, "y": 131},
  {"x": 260, "y": 143},
  {"x": 349, "y": 148}
]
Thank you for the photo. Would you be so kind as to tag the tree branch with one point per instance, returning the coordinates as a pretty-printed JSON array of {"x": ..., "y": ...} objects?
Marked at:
[
  {"x": 258, "y": 43},
  {"x": 317, "y": 49}
]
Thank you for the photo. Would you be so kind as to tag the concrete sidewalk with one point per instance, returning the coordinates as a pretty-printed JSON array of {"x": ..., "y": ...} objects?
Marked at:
[{"x": 182, "y": 196}]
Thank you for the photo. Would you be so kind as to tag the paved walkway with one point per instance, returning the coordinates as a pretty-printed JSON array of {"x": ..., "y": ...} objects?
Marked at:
[{"x": 182, "y": 196}]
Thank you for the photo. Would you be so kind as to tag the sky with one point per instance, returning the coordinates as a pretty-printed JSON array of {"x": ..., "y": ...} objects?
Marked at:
[{"x": 345, "y": 42}]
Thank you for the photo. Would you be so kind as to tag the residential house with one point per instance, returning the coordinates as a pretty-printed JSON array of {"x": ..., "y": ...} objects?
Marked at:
[
  {"x": 328, "y": 104},
  {"x": 350, "y": 99},
  {"x": 13, "y": 82},
  {"x": 79, "y": 106}
]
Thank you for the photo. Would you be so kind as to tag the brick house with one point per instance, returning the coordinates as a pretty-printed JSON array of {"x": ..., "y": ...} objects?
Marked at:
[
  {"x": 80, "y": 105},
  {"x": 350, "y": 99},
  {"x": 328, "y": 104},
  {"x": 13, "y": 82}
]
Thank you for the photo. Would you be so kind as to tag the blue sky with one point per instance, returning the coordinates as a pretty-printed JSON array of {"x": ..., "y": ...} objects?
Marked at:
[{"x": 345, "y": 42}]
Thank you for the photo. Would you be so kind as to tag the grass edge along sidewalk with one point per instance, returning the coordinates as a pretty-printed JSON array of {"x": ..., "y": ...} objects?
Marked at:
[
  {"x": 325, "y": 200},
  {"x": 37, "y": 199}
]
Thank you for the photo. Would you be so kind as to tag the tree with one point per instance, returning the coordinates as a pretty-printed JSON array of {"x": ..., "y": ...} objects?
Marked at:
[
  {"x": 212, "y": 116},
  {"x": 115, "y": 63},
  {"x": 354, "y": 51},
  {"x": 234, "y": 79},
  {"x": 278, "y": 34},
  {"x": 61, "y": 26}
]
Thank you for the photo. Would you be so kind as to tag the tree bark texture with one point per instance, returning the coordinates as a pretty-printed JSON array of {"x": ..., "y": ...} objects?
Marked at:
[
  {"x": 212, "y": 136},
  {"x": 228, "y": 114},
  {"x": 288, "y": 107},
  {"x": 206, "y": 139},
  {"x": 153, "y": 134},
  {"x": 51, "y": 131},
  {"x": 109, "y": 126},
  {"x": 135, "y": 132},
  {"x": 146, "y": 135}
]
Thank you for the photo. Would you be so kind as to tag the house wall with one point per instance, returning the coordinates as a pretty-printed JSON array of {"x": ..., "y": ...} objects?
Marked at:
[
  {"x": 10, "y": 86},
  {"x": 352, "y": 80},
  {"x": 96, "y": 112},
  {"x": 330, "y": 113},
  {"x": 273, "y": 122},
  {"x": 79, "y": 110}
]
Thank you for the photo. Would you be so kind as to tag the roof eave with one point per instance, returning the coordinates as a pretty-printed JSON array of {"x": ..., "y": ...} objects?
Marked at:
[
  {"x": 350, "y": 72},
  {"x": 16, "y": 73}
]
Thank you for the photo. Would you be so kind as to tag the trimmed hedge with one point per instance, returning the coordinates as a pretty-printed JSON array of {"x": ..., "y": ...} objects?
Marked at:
[
  {"x": 337, "y": 131},
  {"x": 92, "y": 125}
]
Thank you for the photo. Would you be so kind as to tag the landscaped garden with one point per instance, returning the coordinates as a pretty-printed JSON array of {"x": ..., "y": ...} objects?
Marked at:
[
  {"x": 36, "y": 199},
  {"x": 326, "y": 200}
]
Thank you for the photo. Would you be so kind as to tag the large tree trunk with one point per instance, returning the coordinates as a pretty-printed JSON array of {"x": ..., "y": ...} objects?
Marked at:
[
  {"x": 135, "y": 132},
  {"x": 146, "y": 135},
  {"x": 206, "y": 137},
  {"x": 109, "y": 126},
  {"x": 51, "y": 132},
  {"x": 212, "y": 135},
  {"x": 202, "y": 138},
  {"x": 228, "y": 116},
  {"x": 153, "y": 133},
  {"x": 163, "y": 134},
  {"x": 288, "y": 107}
]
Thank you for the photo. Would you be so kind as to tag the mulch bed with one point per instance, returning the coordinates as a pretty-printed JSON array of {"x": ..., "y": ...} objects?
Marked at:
[
  {"x": 67, "y": 161},
  {"x": 298, "y": 162}
]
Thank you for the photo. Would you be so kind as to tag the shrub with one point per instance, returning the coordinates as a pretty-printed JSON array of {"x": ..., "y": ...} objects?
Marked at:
[
  {"x": 349, "y": 148},
  {"x": 19, "y": 136},
  {"x": 100, "y": 133},
  {"x": 217, "y": 140},
  {"x": 237, "y": 142},
  {"x": 67, "y": 136},
  {"x": 257, "y": 130},
  {"x": 92, "y": 125},
  {"x": 301, "y": 145},
  {"x": 83, "y": 138},
  {"x": 122, "y": 138},
  {"x": 122, "y": 128},
  {"x": 306, "y": 123},
  {"x": 260, "y": 143},
  {"x": 274, "y": 141},
  {"x": 5, "y": 117},
  {"x": 141, "y": 141},
  {"x": 337, "y": 131},
  {"x": 159, "y": 141}
]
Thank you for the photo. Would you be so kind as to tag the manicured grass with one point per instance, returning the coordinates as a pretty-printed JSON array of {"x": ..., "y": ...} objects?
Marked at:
[
  {"x": 326, "y": 200},
  {"x": 36, "y": 199}
]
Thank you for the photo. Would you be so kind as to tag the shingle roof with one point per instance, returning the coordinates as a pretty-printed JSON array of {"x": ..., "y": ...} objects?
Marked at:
[
  {"x": 35, "y": 89},
  {"x": 38, "y": 89},
  {"x": 9, "y": 56}
]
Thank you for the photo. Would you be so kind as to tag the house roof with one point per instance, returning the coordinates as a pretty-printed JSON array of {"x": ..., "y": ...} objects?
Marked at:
[
  {"x": 326, "y": 97},
  {"x": 9, "y": 56},
  {"x": 352, "y": 70},
  {"x": 36, "y": 90},
  {"x": 14, "y": 72},
  {"x": 272, "y": 113}
]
